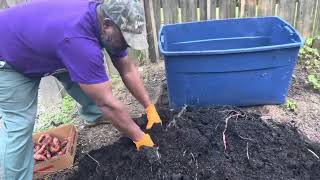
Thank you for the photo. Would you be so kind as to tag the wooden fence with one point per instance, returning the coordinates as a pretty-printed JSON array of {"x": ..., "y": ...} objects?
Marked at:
[{"x": 302, "y": 14}]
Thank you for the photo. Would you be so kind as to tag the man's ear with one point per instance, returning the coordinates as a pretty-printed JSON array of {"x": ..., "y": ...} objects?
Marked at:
[{"x": 107, "y": 22}]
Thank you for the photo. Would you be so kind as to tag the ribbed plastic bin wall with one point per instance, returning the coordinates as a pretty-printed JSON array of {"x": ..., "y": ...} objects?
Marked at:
[{"x": 246, "y": 61}]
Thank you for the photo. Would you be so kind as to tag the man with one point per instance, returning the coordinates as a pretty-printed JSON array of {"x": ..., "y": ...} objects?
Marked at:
[{"x": 64, "y": 39}]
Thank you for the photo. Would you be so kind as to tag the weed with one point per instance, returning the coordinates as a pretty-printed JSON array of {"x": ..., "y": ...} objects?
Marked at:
[
  {"x": 312, "y": 64},
  {"x": 63, "y": 115},
  {"x": 309, "y": 42},
  {"x": 307, "y": 48},
  {"x": 291, "y": 105},
  {"x": 115, "y": 77},
  {"x": 310, "y": 59},
  {"x": 116, "y": 81},
  {"x": 314, "y": 81}
]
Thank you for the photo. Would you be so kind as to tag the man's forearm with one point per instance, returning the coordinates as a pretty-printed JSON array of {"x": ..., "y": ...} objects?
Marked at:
[
  {"x": 121, "y": 119},
  {"x": 112, "y": 108},
  {"x": 135, "y": 85}
]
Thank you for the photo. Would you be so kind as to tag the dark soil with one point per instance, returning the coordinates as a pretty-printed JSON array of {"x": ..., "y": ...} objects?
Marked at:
[
  {"x": 276, "y": 150},
  {"x": 190, "y": 146}
]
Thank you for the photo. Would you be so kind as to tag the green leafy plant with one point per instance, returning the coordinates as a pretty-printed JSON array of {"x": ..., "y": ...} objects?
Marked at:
[
  {"x": 115, "y": 77},
  {"x": 314, "y": 81},
  {"x": 291, "y": 105},
  {"x": 310, "y": 61},
  {"x": 307, "y": 48},
  {"x": 312, "y": 65},
  {"x": 309, "y": 42},
  {"x": 62, "y": 115}
]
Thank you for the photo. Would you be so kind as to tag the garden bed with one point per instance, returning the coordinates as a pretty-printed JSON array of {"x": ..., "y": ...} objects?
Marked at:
[{"x": 208, "y": 143}]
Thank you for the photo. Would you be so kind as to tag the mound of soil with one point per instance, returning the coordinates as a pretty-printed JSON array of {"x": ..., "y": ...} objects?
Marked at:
[{"x": 191, "y": 146}]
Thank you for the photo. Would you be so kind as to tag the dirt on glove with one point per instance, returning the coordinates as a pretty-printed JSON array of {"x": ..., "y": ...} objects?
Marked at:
[{"x": 208, "y": 143}]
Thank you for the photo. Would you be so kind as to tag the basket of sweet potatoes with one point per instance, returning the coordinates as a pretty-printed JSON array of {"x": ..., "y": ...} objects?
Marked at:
[{"x": 54, "y": 150}]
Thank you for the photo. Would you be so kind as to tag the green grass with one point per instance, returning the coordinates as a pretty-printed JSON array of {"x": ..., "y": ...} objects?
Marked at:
[{"x": 63, "y": 115}]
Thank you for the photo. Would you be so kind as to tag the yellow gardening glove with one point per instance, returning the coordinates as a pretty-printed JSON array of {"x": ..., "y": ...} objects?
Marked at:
[
  {"x": 153, "y": 116},
  {"x": 146, "y": 141}
]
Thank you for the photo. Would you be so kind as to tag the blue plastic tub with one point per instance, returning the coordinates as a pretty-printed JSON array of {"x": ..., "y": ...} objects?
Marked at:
[{"x": 241, "y": 62}]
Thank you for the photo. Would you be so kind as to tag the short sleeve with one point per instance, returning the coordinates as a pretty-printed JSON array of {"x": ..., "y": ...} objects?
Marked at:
[
  {"x": 83, "y": 59},
  {"x": 115, "y": 57}
]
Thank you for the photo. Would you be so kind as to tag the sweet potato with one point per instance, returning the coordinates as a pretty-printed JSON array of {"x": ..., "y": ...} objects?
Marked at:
[
  {"x": 47, "y": 154},
  {"x": 64, "y": 142},
  {"x": 39, "y": 157},
  {"x": 36, "y": 148},
  {"x": 55, "y": 145},
  {"x": 63, "y": 151},
  {"x": 45, "y": 139},
  {"x": 42, "y": 149}
]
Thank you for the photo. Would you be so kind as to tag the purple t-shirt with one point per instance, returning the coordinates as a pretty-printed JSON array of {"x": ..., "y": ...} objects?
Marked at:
[{"x": 50, "y": 36}]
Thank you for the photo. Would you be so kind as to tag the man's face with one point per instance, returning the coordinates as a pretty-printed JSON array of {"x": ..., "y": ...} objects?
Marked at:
[{"x": 112, "y": 38}]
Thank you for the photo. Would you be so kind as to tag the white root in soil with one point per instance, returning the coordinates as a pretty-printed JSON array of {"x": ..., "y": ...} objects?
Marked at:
[
  {"x": 313, "y": 153},
  {"x": 93, "y": 159},
  {"x": 248, "y": 151},
  {"x": 233, "y": 114},
  {"x": 226, "y": 127},
  {"x": 173, "y": 123}
]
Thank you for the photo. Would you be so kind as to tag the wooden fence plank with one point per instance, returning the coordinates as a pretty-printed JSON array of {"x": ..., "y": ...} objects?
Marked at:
[
  {"x": 317, "y": 25},
  {"x": 203, "y": 9},
  {"x": 144, "y": 53},
  {"x": 3, "y": 4},
  {"x": 266, "y": 7},
  {"x": 12, "y": 3},
  {"x": 305, "y": 17},
  {"x": 170, "y": 11},
  {"x": 188, "y": 10},
  {"x": 151, "y": 31},
  {"x": 213, "y": 9},
  {"x": 287, "y": 10},
  {"x": 248, "y": 8},
  {"x": 227, "y": 9},
  {"x": 157, "y": 13}
]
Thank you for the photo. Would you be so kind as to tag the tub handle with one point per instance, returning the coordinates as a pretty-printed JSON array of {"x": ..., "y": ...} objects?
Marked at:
[
  {"x": 162, "y": 39},
  {"x": 289, "y": 29}
]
